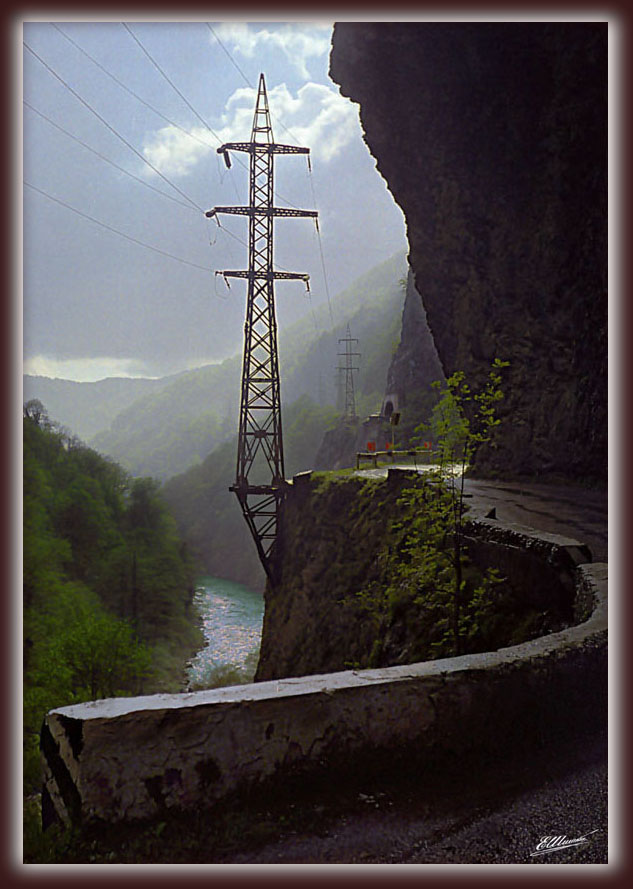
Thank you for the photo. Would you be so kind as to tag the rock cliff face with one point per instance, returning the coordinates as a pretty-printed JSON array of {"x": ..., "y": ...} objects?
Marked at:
[
  {"x": 415, "y": 363},
  {"x": 340, "y": 600},
  {"x": 330, "y": 536},
  {"x": 413, "y": 368},
  {"x": 492, "y": 138}
]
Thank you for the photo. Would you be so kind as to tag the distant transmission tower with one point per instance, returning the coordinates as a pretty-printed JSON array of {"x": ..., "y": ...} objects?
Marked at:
[
  {"x": 260, "y": 437},
  {"x": 338, "y": 383},
  {"x": 350, "y": 402}
]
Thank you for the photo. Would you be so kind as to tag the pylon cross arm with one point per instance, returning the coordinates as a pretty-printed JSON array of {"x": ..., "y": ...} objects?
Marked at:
[
  {"x": 266, "y": 275},
  {"x": 262, "y": 147},
  {"x": 261, "y": 211}
]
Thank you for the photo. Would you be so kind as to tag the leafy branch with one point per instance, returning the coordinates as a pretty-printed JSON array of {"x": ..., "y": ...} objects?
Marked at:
[{"x": 461, "y": 422}]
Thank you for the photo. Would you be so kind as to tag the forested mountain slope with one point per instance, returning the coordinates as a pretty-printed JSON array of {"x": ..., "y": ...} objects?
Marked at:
[
  {"x": 87, "y": 408},
  {"x": 108, "y": 583},
  {"x": 167, "y": 431}
]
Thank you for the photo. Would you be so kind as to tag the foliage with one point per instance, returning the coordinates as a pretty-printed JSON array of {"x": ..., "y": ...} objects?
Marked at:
[
  {"x": 107, "y": 581},
  {"x": 374, "y": 560},
  {"x": 419, "y": 595},
  {"x": 418, "y": 581},
  {"x": 461, "y": 421},
  {"x": 163, "y": 432}
]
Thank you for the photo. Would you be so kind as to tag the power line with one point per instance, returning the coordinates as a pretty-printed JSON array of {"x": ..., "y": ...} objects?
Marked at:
[
  {"x": 231, "y": 59},
  {"x": 116, "y": 230},
  {"x": 191, "y": 203},
  {"x": 130, "y": 91},
  {"x": 132, "y": 239},
  {"x": 169, "y": 81},
  {"x": 175, "y": 88},
  {"x": 327, "y": 289},
  {"x": 188, "y": 103},
  {"x": 278, "y": 268},
  {"x": 229, "y": 232},
  {"x": 111, "y": 128},
  {"x": 107, "y": 159}
]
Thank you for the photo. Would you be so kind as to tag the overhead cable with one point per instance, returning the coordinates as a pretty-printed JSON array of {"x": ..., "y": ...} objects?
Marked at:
[
  {"x": 327, "y": 289},
  {"x": 111, "y": 128},
  {"x": 107, "y": 159},
  {"x": 116, "y": 231},
  {"x": 248, "y": 83},
  {"x": 169, "y": 81},
  {"x": 130, "y": 91},
  {"x": 175, "y": 88}
]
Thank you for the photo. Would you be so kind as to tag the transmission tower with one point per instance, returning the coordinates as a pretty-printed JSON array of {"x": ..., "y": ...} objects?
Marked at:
[
  {"x": 260, "y": 440},
  {"x": 350, "y": 402}
]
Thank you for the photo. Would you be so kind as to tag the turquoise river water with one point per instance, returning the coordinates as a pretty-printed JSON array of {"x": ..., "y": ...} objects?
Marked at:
[{"x": 231, "y": 616}]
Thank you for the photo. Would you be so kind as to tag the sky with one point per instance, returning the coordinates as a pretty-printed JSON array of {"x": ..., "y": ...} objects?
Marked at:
[{"x": 120, "y": 125}]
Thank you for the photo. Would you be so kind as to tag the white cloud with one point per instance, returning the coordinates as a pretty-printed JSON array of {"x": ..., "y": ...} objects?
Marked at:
[
  {"x": 316, "y": 117},
  {"x": 84, "y": 370},
  {"x": 174, "y": 153},
  {"x": 298, "y": 42}
]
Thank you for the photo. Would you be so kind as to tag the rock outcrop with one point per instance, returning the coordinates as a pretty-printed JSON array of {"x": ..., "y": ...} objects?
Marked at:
[
  {"x": 338, "y": 602},
  {"x": 492, "y": 138},
  {"x": 415, "y": 365}
]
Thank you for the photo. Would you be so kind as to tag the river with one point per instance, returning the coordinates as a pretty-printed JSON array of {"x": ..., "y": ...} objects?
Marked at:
[{"x": 231, "y": 616}]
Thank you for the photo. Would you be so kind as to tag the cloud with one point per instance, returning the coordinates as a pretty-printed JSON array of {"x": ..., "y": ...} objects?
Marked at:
[
  {"x": 298, "y": 42},
  {"x": 84, "y": 370},
  {"x": 175, "y": 152},
  {"x": 317, "y": 117}
]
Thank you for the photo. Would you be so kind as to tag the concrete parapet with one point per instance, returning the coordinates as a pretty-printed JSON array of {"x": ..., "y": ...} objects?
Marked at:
[{"x": 133, "y": 758}]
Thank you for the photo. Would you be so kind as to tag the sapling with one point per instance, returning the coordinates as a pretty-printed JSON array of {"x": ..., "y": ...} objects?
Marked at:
[{"x": 461, "y": 421}]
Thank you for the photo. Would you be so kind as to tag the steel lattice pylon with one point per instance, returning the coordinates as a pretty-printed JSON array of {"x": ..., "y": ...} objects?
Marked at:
[
  {"x": 350, "y": 401},
  {"x": 260, "y": 439}
]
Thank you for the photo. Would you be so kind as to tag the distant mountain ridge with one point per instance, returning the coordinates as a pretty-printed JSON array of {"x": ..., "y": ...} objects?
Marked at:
[
  {"x": 87, "y": 408},
  {"x": 162, "y": 427},
  {"x": 166, "y": 431}
]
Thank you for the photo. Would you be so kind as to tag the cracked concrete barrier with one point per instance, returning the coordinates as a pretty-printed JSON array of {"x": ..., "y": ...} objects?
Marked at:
[{"x": 135, "y": 758}]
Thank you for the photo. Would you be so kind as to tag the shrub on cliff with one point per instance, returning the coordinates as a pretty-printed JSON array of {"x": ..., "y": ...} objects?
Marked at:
[{"x": 461, "y": 422}]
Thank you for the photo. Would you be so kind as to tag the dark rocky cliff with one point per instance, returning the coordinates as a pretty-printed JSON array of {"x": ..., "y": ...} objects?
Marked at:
[
  {"x": 350, "y": 594},
  {"x": 415, "y": 365},
  {"x": 492, "y": 138}
]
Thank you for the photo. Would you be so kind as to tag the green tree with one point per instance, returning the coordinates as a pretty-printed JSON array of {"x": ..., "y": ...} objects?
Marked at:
[
  {"x": 107, "y": 580},
  {"x": 78, "y": 652},
  {"x": 461, "y": 422}
]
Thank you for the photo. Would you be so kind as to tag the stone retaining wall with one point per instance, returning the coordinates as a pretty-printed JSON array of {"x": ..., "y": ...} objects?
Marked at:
[{"x": 134, "y": 758}]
